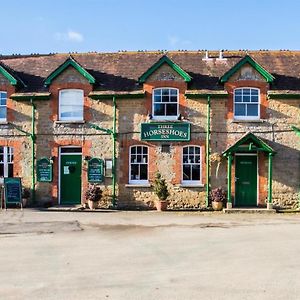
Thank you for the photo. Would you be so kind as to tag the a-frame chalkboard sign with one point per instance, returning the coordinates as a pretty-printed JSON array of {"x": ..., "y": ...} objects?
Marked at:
[{"x": 13, "y": 191}]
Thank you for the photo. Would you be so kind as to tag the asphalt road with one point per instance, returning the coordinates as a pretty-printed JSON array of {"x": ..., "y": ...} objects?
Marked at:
[{"x": 148, "y": 255}]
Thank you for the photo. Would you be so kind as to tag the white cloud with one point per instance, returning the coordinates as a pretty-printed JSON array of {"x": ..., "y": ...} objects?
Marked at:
[
  {"x": 175, "y": 41},
  {"x": 70, "y": 36}
]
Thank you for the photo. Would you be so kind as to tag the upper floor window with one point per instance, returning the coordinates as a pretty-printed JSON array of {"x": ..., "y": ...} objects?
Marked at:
[
  {"x": 3, "y": 109},
  {"x": 246, "y": 104},
  {"x": 6, "y": 161},
  {"x": 138, "y": 169},
  {"x": 191, "y": 165},
  {"x": 71, "y": 105},
  {"x": 165, "y": 103}
]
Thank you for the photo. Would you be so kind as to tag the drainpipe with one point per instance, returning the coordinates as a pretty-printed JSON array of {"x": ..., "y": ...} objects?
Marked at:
[
  {"x": 207, "y": 152},
  {"x": 33, "y": 139},
  {"x": 114, "y": 153},
  {"x": 269, "y": 204},
  {"x": 229, "y": 162}
]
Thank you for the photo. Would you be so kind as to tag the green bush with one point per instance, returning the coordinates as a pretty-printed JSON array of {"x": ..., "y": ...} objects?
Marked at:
[{"x": 160, "y": 187}]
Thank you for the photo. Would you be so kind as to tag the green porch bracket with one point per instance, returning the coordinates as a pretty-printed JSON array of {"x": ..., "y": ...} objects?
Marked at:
[
  {"x": 270, "y": 167},
  {"x": 229, "y": 164}
]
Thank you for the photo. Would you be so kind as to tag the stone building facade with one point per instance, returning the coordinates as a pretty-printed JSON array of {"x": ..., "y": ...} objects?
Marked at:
[{"x": 202, "y": 120}]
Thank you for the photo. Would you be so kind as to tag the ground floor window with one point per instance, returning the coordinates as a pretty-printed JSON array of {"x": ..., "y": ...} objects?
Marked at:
[
  {"x": 138, "y": 168},
  {"x": 191, "y": 164},
  {"x": 6, "y": 161}
]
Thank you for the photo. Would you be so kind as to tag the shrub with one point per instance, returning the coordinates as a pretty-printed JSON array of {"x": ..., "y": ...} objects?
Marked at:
[{"x": 160, "y": 187}]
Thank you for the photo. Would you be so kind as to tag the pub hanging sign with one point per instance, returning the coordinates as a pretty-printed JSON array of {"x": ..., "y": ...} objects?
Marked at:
[
  {"x": 95, "y": 170},
  {"x": 165, "y": 131}
]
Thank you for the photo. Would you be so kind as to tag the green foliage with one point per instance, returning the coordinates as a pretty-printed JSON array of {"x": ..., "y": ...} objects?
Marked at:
[
  {"x": 160, "y": 187},
  {"x": 218, "y": 195}
]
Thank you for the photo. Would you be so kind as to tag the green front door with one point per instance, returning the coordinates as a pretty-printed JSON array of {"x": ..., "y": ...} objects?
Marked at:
[
  {"x": 245, "y": 180},
  {"x": 70, "y": 179}
]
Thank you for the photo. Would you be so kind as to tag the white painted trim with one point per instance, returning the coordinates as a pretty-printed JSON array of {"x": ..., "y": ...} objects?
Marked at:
[
  {"x": 59, "y": 164},
  {"x": 70, "y": 119},
  {"x": 257, "y": 175},
  {"x": 137, "y": 182},
  {"x": 191, "y": 182},
  {"x": 168, "y": 118},
  {"x": 246, "y": 118}
]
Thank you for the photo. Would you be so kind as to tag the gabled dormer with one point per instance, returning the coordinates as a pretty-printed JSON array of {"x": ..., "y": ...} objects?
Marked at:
[
  {"x": 7, "y": 76},
  {"x": 172, "y": 69},
  {"x": 70, "y": 63},
  {"x": 247, "y": 69}
]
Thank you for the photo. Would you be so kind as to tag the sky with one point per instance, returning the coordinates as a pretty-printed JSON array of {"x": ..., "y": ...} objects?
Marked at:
[{"x": 39, "y": 26}]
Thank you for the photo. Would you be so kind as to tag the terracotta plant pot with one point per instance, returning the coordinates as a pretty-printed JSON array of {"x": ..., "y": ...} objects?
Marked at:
[
  {"x": 217, "y": 205},
  {"x": 93, "y": 204},
  {"x": 161, "y": 205},
  {"x": 24, "y": 202}
]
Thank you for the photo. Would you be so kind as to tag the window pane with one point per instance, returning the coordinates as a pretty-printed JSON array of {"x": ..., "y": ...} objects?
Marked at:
[
  {"x": 191, "y": 150},
  {"x": 246, "y": 98},
  {"x": 133, "y": 158},
  {"x": 165, "y": 99},
  {"x": 143, "y": 172},
  {"x": 71, "y": 104},
  {"x": 159, "y": 109},
  {"x": 197, "y": 150},
  {"x": 185, "y": 150},
  {"x": 173, "y": 92},
  {"x": 134, "y": 172},
  {"x": 246, "y": 92},
  {"x": 133, "y": 150},
  {"x": 197, "y": 159},
  {"x": 2, "y": 112},
  {"x": 157, "y": 92},
  {"x": 238, "y": 98},
  {"x": 254, "y": 98},
  {"x": 173, "y": 99},
  {"x": 186, "y": 172},
  {"x": 195, "y": 172},
  {"x": 171, "y": 109},
  {"x": 145, "y": 150},
  {"x": 238, "y": 92},
  {"x": 240, "y": 109},
  {"x": 185, "y": 159},
  {"x": 139, "y": 158},
  {"x": 157, "y": 98},
  {"x": 2, "y": 170},
  {"x": 10, "y": 170},
  {"x": 254, "y": 92},
  {"x": 252, "y": 110},
  {"x": 165, "y": 92}
]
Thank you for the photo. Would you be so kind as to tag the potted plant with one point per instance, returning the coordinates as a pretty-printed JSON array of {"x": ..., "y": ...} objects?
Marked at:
[
  {"x": 218, "y": 197},
  {"x": 25, "y": 196},
  {"x": 161, "y": 191},
  {"x": 93, "y": 194}
]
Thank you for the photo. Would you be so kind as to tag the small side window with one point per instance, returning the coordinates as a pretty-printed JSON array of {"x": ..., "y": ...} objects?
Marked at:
[
  {"x": 3, "y": 107},
  {"x": 71, "y": 105},
  {"x": 138, "y": 164}
]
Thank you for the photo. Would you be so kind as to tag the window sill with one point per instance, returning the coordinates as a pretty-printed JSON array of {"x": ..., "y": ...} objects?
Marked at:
[
  {"x": 164, "y": 119},
  {"x": 247, "y": 121},
  {"x": 3, "y": 123},
  {"x": 136, "y": 185},
  {"x": 186, "y": 185},
  {"x": 69, "y": 122}
]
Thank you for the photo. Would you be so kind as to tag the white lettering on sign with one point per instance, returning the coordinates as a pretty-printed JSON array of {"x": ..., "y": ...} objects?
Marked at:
[{"x": 66, "y": 170}]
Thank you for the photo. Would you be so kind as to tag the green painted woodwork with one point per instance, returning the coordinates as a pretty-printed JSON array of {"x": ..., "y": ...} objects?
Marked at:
[
  {"x": 114, "y": 138},
  {"x": 207, "y": 151},
  {"x": 199, "y": 95},
  {"x": 30, "y": 96},
  {"x": 130, "y": 95},
  {"x": 229, "y": 165},
  {"x": 247, "y": 59},
  {"x": 13, "y": 190},
  {"x": 270, "y": 167},
  {"x": 95, "y": 170},
  {"x": 284, "y": 96},
  {"x": 44, "y": 170},
  {"x": 297, "y": 130},
  {"x": 159, "y": 63},
  {"x": 12, "y": 80},
  {"x": 244, "y": 145},
  {"x": 246, "y": 180},
  {"x": 70, "y": 62},
  {"x": 165, "y": 131},
  {"x": 70, "y": 179}
]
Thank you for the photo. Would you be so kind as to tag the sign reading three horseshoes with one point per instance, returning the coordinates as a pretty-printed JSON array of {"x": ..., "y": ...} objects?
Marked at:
[{"x": 165, "y": 131}]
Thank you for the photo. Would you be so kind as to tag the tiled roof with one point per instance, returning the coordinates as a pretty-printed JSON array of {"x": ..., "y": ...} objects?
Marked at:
[{"x": 121, "y": 71}]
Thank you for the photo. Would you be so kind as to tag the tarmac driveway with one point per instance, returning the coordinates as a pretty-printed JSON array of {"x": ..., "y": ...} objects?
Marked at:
[{"x": 148, "y": 255}]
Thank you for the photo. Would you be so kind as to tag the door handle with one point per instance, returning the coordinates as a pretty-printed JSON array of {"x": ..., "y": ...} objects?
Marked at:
[{"x": 236, "y": 178}]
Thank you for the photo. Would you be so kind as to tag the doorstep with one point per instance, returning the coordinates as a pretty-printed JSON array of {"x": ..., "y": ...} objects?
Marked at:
[{"x": 249, "y": 211}]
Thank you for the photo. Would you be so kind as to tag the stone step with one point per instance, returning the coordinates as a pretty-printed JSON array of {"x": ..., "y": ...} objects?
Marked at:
[{"x": 249, "y": 210}]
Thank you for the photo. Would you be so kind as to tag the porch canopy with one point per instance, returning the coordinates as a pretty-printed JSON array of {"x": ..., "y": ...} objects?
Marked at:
[{"x": 248, "y": 143}]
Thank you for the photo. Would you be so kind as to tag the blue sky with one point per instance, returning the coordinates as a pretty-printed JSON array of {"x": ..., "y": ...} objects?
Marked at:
[{"x": 38, "y": 26}]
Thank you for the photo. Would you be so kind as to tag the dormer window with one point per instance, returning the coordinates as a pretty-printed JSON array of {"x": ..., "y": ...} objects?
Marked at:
[
  {"x": 71, "y": 105},
  {"x": 3, "y": 108},
  {"x": 165, "y": 103},
  {"x": 246, "y": 104}
]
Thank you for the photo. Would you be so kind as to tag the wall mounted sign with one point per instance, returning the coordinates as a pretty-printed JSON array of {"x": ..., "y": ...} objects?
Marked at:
[
  {"x": 44, "y": 170},
  {"x": 95, "y": 170},
  {"x": 13, "y": 190},
  {"x": 165, "y": 131}
]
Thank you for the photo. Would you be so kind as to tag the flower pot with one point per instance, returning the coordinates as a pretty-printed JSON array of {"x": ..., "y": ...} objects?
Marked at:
[
  {"x": 217, "y": 205},
  {"x": 161, "y": 205},
  {"x": 24, "y": 202},
  {"x": 93, "y": 204}
]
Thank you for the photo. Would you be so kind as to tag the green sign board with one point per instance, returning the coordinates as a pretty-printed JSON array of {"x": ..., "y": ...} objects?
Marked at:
[
  {"x": 13, "y": 190},
  {"x": 44, "y": 170},
  {"x": 165, "y": 131},
  {"x": 95, "y": 170}
]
